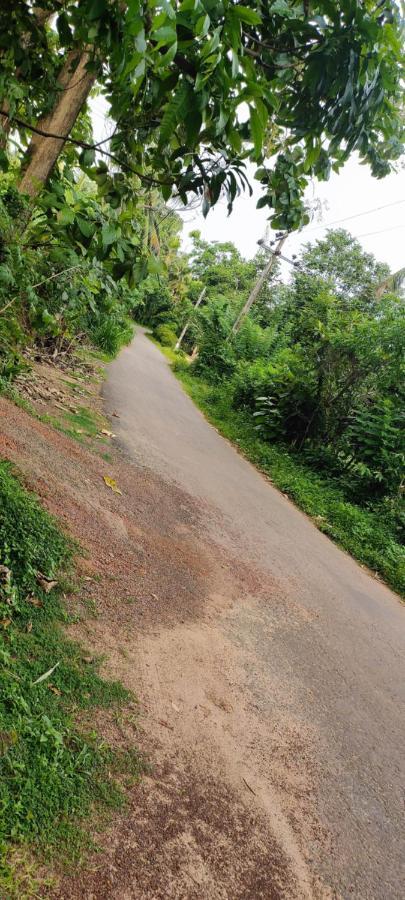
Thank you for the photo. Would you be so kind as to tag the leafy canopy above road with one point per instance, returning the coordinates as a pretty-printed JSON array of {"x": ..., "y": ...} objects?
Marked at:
[{"x": 197, "y": 88}]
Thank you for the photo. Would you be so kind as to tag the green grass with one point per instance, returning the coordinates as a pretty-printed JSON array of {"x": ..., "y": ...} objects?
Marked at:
[
  {"x": 52, "y": 773},
  {"x": 362, "y": 532}
]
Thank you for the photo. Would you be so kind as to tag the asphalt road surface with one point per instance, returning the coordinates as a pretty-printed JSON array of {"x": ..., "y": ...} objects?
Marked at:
[{"x": 335, "y": 663}]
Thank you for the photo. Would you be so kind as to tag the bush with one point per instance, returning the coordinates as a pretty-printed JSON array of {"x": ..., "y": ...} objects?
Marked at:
[
  {"x": 111, "y": 334},
  {"x": 165, "y": 335}
]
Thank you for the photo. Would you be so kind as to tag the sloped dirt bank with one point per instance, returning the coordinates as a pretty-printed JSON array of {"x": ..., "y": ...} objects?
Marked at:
[{"x": 226, "y": 806}]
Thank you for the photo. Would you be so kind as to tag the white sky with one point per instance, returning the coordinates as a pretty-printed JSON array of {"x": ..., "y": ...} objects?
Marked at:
[{"x": 351, "y": 192}]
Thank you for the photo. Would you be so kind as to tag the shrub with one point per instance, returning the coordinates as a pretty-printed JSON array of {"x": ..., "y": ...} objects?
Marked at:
[
  {"x": 111, "y": 334},
  {"x": 165, "y": 335}
]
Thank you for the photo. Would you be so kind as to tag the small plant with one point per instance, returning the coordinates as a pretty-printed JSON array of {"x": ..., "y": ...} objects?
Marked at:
[
  {"x": 165, "y": 335},
  {"x": 51, "y": 772}
]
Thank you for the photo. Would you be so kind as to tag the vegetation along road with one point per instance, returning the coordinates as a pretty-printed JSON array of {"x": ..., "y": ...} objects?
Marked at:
[{"x": 300, "y": 653}]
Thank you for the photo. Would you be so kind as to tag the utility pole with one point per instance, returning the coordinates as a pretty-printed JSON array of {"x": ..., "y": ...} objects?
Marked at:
[
  {"x": 259, "y": 283},
  {"x": 187, "y": 325}
]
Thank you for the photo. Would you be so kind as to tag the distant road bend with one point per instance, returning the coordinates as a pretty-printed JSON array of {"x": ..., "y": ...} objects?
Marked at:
[{"x": 320, "y": 655}]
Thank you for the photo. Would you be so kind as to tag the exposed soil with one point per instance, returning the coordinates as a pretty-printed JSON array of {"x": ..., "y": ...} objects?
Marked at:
[{"x": 203, "y": 823}]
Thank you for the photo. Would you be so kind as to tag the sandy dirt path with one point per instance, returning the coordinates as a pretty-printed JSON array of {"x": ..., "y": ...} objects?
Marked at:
[{"x": 284, "y": 696}]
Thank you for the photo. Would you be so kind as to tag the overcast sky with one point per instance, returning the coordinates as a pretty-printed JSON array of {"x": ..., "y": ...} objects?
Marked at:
[{"x": 351, "y": 192}]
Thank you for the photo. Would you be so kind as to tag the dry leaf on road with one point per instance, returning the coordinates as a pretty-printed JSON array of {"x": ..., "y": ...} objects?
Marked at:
[{"x": 111, "y": 483}]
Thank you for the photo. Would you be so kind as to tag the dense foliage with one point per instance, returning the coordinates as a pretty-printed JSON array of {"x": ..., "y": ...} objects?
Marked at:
[
  {"x": 194, "y": 89},
  {"x": 197, "y": 87},
  {"x": 317, "y": 368}
]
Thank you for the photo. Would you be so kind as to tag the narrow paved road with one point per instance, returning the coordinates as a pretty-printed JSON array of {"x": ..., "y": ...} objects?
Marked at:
[{"x": 327, "y": 650}]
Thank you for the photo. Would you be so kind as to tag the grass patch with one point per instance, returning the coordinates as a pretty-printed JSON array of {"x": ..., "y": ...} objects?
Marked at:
[
  {"x": 363, "y": 532},
  {"x": 52, "y": 773},
  {"x": 84, "y": 423}
]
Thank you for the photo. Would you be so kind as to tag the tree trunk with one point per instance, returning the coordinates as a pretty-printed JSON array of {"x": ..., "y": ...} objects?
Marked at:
[{"x": 75, "y": 83}]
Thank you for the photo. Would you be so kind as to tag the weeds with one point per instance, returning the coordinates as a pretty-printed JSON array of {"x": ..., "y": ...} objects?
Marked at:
[
  {"x": 52, "y": 774},
  {"x": 365, "y": 533}
]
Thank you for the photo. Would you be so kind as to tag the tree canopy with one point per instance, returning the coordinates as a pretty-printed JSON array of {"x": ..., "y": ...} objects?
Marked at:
[{"x": 198, "y": 87}]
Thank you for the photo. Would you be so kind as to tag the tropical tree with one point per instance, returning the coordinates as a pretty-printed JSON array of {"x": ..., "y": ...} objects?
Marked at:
[
  {"x": 340, "y": 259},
  {"x": 197, "y": 87}
]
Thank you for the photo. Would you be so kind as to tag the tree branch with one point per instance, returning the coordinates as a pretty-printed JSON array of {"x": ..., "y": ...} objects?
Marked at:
[{"x": 85, "y": 146}]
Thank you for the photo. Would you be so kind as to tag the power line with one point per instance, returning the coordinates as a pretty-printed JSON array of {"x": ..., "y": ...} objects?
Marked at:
[
  {"x": 356, "y": 215},
  {"x": 382, "y": 231}
]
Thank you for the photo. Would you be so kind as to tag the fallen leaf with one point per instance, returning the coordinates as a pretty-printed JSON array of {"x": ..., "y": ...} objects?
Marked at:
[
  {"x": 46, "y": 583},
  {"x": 29, "y": 627},
  {"x": 5, "y": 574},
  {"x": 111, "y": 483},
  {"x": 34, "y": 601},
  {"x": 176, "y": 708},
  {"x": 115, "y": 414},
  {"x": 54, "y": 690},
  {"x": 155, "y": 596},
  {"x": 108, "y": 433},
  {"x": 87, "y": 659},
  {"x": 5, "y": 623},
  {"x": 46, "y": 674}
]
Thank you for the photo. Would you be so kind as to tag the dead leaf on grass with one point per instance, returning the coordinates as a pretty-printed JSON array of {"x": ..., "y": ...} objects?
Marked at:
[
  {"x": 46, "y": 583},
  {"x": 5, "y": 623},
  {"x": 54, "y": 690},
  {"x": 29, "y": 627},
  {"x": 111, "y": 483},
  {"x": 34, "y": 601},
  {"x": 5, "y": 574}
]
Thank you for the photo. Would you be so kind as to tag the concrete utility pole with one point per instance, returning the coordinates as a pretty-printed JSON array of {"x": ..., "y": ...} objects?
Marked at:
[
  {"x": 187, "y": 325},
  {"x": 259, "y": 283}
]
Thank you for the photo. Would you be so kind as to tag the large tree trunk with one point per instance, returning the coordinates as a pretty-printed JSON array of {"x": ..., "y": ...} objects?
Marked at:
[{"x": 75, "y": 83}]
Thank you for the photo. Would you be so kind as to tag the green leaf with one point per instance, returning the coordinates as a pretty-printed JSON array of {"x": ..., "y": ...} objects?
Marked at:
[
  {"x": 155, "y": 265},
  {"x": 108, "y": 235},
  {"x": 95, "y": 9},
  {"x": 256, "y": 130},
  {"x": 175, "y": 111},
  {"x": 202, "y": 26},
  {"x": 165, "y": 35},
  {"x": 250, "y": 16},
  {"x": 66, "y": 216},
  {"x": 87, "y": 157},
  {"x": 87, "y": 228}
]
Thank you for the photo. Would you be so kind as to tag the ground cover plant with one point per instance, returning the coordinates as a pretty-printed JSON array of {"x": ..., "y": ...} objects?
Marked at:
[
  {"x": 311, "y": 385},
  {"x": 53, "y": 773}
]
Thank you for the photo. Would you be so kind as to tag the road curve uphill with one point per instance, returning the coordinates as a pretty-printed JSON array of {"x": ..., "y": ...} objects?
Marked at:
[{"x": 291, "y": 686}]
